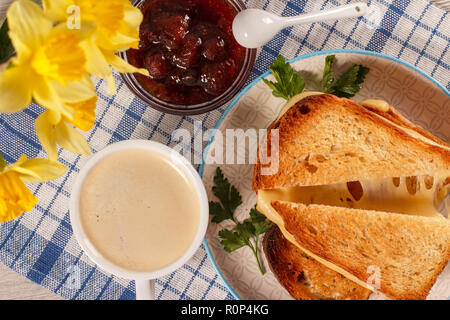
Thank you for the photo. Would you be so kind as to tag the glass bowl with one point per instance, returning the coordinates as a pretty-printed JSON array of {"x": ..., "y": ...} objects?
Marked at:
[{"x": 158, "y": 104}]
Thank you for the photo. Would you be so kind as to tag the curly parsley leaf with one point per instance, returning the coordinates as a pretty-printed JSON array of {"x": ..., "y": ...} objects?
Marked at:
[
  {"x": 229, "y": 198},
  {"x": 328, "y": 75},
  {"x": 288, "y": 82},
  {"x": 348, "y": 84},
  {"x": 244, "y": 233},
  {"x": 218, "y": 212},
  {"x": 259, "y": 222},
  {"x": 351, "y": 81},
  {"x": 231, "y": 240}
]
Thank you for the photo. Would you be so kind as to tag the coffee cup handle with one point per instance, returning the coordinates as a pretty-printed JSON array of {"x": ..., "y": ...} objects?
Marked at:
[{"x": 145, "y": 289}]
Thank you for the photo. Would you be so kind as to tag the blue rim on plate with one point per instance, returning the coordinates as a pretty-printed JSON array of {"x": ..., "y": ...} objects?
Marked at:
[{"x": 254, "y": 82}]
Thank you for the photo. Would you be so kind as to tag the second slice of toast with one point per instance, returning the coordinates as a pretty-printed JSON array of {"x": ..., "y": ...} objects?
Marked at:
[
  {"x": 405, "y": 253},
  {"x": 304, "y": 277}
]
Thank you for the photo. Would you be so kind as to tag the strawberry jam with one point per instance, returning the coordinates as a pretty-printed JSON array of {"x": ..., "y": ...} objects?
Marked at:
[{"x": 188, "y": 48}]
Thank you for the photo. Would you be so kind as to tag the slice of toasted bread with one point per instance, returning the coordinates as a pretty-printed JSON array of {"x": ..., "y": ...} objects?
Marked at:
[
  {"x": 324, "y": 139},
  {"x": 396, "y": 117},
  {"x": 305, "y": 278},
  {"x": 408, "y": 252}
]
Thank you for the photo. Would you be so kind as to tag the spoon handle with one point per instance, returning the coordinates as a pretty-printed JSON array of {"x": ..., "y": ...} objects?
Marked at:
[{"x": 348, "y": 11}]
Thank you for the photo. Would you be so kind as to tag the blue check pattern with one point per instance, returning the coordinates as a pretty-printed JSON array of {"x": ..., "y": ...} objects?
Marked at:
[{"x": 40, "y": 245}]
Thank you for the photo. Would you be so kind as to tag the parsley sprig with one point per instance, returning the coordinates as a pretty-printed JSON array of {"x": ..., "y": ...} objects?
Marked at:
[
  {"x": 348, "y": 84},
  {"x": 289, "y": 83},
  {"x": 245, "y": 233}
]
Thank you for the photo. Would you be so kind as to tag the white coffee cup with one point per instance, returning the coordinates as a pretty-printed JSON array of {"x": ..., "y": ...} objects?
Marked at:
[{"x": 145, "y": 286}]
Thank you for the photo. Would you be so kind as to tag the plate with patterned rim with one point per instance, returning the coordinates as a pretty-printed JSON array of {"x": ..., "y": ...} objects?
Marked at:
[{"x": 412, "y": 92}]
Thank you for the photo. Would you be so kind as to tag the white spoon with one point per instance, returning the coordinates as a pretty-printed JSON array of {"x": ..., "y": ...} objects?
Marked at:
[{"x": 253, "y": 28}]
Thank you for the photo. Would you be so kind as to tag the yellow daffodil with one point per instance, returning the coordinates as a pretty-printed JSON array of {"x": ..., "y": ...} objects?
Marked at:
[
  {"x": 49, "y": 66},
  {"x": 113, "y": 26},
  {"x": 15, "y": 197},
  {"x": 53, "y": 130}
]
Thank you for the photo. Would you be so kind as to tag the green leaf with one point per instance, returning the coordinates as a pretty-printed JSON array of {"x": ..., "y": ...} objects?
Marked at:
[
  {"x": 229, "y": 198},
  {"x": 363, "y": 71},
  {"x": 328, "y": 75},
  {"x": 348, "y": 84},
  {"x": 6, "y": 47},
  {"x": 218, "y": 212},
  {"x": 259, "y": 222},
  {"x": 231, "y": 240},
  {"x": 348, "y": 77},
  {"x": 288, "y": 82},
  {"x": 244, "y": 232}
]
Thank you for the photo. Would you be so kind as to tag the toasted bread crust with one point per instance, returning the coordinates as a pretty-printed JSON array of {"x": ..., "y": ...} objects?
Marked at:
[
  {"x": 410, "y": 251},
  {"x": 397, "y": 118},
  {"x": 302, "y": 276},
  {"x": 324, "y": 139}
]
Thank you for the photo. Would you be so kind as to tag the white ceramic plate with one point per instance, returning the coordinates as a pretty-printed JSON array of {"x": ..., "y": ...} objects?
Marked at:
[{"x": 420, "y": 98}]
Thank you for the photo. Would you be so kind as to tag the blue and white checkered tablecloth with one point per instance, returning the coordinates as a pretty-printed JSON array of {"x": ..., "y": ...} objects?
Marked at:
[{"x": 40, "y": 244}]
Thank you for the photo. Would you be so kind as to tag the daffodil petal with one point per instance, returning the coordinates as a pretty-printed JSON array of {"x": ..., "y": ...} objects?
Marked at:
[
  {"x": 128, "y": 32},
  {"x": 28, "y": 23},
  {"x": 46, "y": 134},
  {"x": 4, "y": 211},
  {"x": 133, "y": 18},
  {"x": 121, "y": 65},
  {"x": 87, "y": 30},
  {"x": 111, "y": 84},
  {"x": 107, "y": 14},
  {"x": 75, "y": 91},
  {"x": 44, "y": 94},
  {"x": 15, "y": 197},
  {"x": 21, "y": 160},
  {"x": 96, "y": 62},
  {"x": 124, "y": 33},
  {"x": 47, "y": 96},
  {"x": 23, "y": 52},
  {"x": 15, "y": 93},
  {"x": 40, "y": 170},
  {"x": 117, "y": 41},
  {"x": 84, "y": 118},
  {"x": 54, "y": 117},
  {"x": 69, "y": 138},
  {"x": 56, "y": 9}
]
